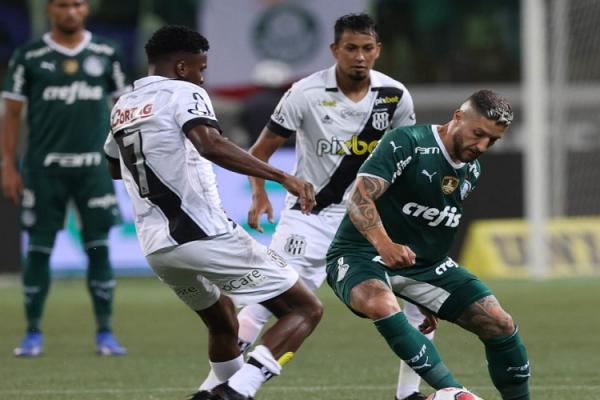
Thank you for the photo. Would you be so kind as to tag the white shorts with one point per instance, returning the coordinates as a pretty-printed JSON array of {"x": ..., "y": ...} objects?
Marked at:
[
  {"x": 234, "y": 263},
  {"x": 303, "y": 240}
]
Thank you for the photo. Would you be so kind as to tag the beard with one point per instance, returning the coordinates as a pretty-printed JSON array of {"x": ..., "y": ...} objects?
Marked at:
[
  {"x": 358, "y": 77},
  {"x": 462, "y": 153}
]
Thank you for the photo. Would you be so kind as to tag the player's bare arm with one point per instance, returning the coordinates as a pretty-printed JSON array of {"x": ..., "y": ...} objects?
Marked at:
[
  {"x": 11, "y": 179},
  {"x": 214, "y": 147},
  {"x": 266, "y": 144},
  {"x": 365, "y": 217},
  {"x": 487, "y": 319}
]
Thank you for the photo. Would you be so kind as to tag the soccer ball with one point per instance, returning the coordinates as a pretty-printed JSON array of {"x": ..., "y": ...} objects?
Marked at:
[{"x": 453, "y": 394}]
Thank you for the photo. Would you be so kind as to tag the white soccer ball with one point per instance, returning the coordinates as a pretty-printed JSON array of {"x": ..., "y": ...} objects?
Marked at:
[{"x": 453, "y": 394}]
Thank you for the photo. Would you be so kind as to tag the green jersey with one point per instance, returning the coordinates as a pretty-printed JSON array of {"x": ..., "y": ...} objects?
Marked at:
[
  {"x": 67, "y": 100},
  {"x": 422, "y": 207}
]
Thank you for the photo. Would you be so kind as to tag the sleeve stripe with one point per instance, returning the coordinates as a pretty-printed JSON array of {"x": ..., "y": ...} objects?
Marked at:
[
  {"x": 279, "y": 130},
  {"x": 189, "y": 125},
  {"x": 14, "y": 96}
]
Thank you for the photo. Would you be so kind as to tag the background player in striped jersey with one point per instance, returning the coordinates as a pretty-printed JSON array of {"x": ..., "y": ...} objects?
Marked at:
[
  {"x": 403, "y": 214},
  {"x": 338, "y": 114},
  {"x": 64, "y": 80},
  {"x": 164, "y": 138}
]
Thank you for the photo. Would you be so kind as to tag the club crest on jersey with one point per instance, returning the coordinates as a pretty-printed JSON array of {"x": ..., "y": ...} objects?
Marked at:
[
  {"x": 70, "y": 66},
  {"x": 381, "y": 120},
  {"x": 93, "y": 66},
  {"x": 449, "y": 184},
  {"x": 295, "y": 245}
]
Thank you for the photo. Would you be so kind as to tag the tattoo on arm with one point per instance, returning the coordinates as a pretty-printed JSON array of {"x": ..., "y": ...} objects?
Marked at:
[{"x": 361, "y": 206}]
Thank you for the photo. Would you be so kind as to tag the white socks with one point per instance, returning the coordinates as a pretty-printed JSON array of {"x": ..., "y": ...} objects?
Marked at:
[
  {"x": 220, "y": 372},
  {"x": 261, "y": 366}
]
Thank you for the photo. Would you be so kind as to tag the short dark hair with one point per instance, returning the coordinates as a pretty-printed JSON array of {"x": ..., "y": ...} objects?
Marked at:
[
  {"x": 492, "y": 106},
  {"x": 171, "y": 39},
  {"x": 362, "y": 23}
]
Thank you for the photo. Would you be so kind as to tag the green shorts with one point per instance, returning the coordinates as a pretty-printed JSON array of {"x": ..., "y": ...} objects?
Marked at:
[
  {"x": 445, "y": 288},
  {"x": 46, "y": 196}
]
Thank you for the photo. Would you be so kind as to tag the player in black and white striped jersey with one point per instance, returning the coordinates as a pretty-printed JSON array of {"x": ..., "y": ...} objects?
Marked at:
[
  {"x": 338, "y": 115},
  {"x": 164, "y": 138}
]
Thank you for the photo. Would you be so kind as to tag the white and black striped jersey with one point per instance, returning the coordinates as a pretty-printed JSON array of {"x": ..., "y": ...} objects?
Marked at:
[
  {"x": 172, "y": 187},
  {"x": 335, "y": 134}
]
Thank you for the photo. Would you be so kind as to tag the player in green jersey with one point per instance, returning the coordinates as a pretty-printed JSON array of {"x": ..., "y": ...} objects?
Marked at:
[
  {"x": 64, "y": 79},
  {"x": 404, "y": 210}
]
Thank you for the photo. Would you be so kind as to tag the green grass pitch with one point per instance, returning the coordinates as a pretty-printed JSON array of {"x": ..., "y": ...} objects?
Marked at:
[{"x": 345, "y": 358}]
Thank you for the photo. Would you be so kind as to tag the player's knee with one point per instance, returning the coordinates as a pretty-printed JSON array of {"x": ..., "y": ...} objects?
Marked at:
[
  {"x": 313, "y": 310},
  {"x": 379, "y": 307},
  {"x": 501, "y": 325}
]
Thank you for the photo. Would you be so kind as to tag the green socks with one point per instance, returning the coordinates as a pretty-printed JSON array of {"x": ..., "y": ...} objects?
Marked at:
[
  {"x": 416, "y": 350},
  {"x": 36, "y": 283},
  {"x": 508, "y": 366},
  {"x": 101, "y": 285}
]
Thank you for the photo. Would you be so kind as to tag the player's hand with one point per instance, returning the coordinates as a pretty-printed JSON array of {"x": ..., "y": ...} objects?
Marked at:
[
  {"x": 396, "y": 256},
  {"x": 12, "y": 186},
  {"x": 303, "y": 190},
  {"x": 430, "y": 322},
  {"x": 260, "y": 205}
]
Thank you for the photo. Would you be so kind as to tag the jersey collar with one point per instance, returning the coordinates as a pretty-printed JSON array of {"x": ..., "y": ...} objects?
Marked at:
[
  {"x": 332, "y": 86},
  {"x": 438, "y": 139},
  {"x": 148, "y": 80},
  {"x": 87, "y": 38}
]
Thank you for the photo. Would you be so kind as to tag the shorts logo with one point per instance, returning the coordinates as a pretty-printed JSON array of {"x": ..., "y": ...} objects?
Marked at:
[
  {"x": 449, "y": 184},
  {"x": 445, "y": 266},
  {"x": 252, "y": 279},
  {"x": 295, "y": 245},
  {"x": 280, "y": 261},
  {"x": 105, "y": 202},
  {"x": 381, "y": 120},
  {"x": 342, "y": 269}
]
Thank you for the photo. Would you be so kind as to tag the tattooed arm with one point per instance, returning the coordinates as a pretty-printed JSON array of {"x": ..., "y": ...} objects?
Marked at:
[{"x": 365, "y": 217}]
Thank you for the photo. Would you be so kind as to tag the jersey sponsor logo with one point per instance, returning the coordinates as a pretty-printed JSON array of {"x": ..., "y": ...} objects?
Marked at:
[
  {"x": 465, "y": 189},
  {"x": 78, "y": 90},
  {"x": 350, "y": 113},
  {"x": 381, "y": 120},
  {"x": 252, "y": 279},
  {"x": 295, "y": 245},
  {"x": 427, "y": 174},
  {"x": 105, "y": 202},
  {"x": 449, "y": 184},
  {"x": 48, "y": 65},
  {"x": 400, "y": 166},
  {"x": 128, "y": 115},
  {"x": 427, "y": 150},
  {"x": 433, "y": 215},
  {"x": 73, "y": 160},
  {"x": 70, "y": 66},
  {"x": 328, "y": 103},
  {"x": 37, "y": 52},
  {"x": 340, "y": 147},
  {"x": 387, "y": 100},
  {"x": 93, "y": 66},
  {"x": 445, "y": 266}
]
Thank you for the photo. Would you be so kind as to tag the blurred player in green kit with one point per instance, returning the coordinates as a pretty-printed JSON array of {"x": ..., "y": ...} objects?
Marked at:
[{"x": 64, "y": 80}]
